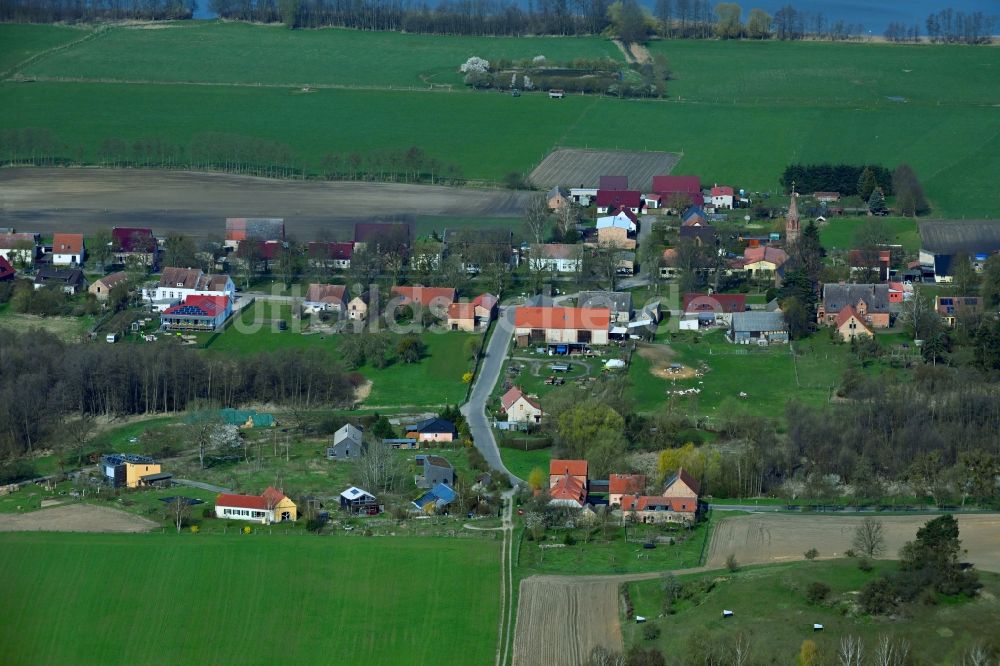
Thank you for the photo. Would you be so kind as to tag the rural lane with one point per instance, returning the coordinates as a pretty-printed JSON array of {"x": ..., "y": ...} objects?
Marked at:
[{"x": 489, "y": 373}]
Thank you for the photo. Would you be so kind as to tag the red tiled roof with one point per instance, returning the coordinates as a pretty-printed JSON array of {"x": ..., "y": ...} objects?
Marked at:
[
  {"x": 272, "y": 495},
  {"x": 424, "y": 295},
  {"x": 627, "y": 212},
  {"x": 67, "y": 243},
  {"x": 569, "y": 488},
  {"x": 462, "y": 311},
  {"x": 715, "y": 302},
  {"x": 571, "y": 467},
  {"x": 6, "y": 270},
  {"x": 621, "y": 484},
  {"x": 722, "y": 191},
  {"x": 667, "y": 185},
  {"x": 337, "y": 251},
  {"x": 554, "y": 250},
  {"x": 508, "y": 399},
  {"x": 326, "y": 293},
  {"x": 485, "y": 300},
  {"x": 846, "y": 313},
  {"x": 210, "y": 306},
  {"x": 863, "y": 259},
  {"x": 592, "y": 319},
  {"x": 670, "y": 256},
  {"x": 619, "y": 198},
  {"x": 774, "y": 255},
  {"x": 133, "y": 239},
  {"x": 242, "y": 501}
]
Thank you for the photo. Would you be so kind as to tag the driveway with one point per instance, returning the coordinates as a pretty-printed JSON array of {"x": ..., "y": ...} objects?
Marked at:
[{"x": 489, "y": 372}]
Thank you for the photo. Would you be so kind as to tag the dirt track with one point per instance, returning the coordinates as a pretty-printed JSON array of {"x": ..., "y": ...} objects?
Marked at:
[
  {"x": 75, "y": 518},
  {"x": 561, "y": 618},
  {"x": 47, "y": 200},
  {"x": 764, "y": 539}
]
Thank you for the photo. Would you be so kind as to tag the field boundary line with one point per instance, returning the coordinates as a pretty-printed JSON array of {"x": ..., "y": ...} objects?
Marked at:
[{"x": 91, "y": 34}]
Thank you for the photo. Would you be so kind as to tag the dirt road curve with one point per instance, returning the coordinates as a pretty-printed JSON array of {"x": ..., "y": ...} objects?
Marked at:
[
  {"x": 766, "y": 539},
  {"x": 47, "y": 200},
  {"x": 561, "y": 618},
  {"x": 75, "y": 518}
]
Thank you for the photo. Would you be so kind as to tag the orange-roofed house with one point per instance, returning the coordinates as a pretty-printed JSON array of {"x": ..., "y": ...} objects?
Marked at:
[
  {"x": 562, "y": 328},
  {"x": 850, "y": 325},
  {"x": 67, "y": 249},
  {"x": 620, "y": 485},
  {"x": 271, "y": 506},
  {"x": 520, "y": 408},
  {"x": 682, "y": 485},
  {"x": 560, "y": 468},
  {"x": 568, "y": 491},
  {"x": 431, "y": 299},
  {"x": 656, "y": 509},
  {"x": 473, "y": 316}
]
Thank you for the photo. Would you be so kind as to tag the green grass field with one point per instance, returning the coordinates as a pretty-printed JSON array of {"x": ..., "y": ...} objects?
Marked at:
[
  {"x": 770, "y": 607},
  {"x": 212, "y": 599},
  {"x": 790, "y": 102},
  {"x": 21, "y": 41},
  {"x": 520, "y": 463},
  {"x": 839, "y": 233},
  {"x": 273, "y": 55}
]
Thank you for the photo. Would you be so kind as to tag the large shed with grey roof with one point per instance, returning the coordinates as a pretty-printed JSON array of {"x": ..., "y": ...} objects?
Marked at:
[
  {"x": 619, "y": 302},
  {"x": 758, "y": 327},
  {"x": 941, "y": 241}
]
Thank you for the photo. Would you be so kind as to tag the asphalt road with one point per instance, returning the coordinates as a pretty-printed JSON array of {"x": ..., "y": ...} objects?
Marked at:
[
  {"x": 489, "y": 372},
  {"x": 88, "y": 199}
]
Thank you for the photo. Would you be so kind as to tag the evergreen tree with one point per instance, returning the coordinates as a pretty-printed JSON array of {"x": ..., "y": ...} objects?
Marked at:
[
  {"x": 876, "y": 202},
  {"x": 808, "y": 252},
  {"x": 867, "y": 183}
]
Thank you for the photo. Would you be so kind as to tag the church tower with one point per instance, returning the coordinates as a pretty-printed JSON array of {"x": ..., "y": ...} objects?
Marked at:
[{"x": 792, "y": 221}]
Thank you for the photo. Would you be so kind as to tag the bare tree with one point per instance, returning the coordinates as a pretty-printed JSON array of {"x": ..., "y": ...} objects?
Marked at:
[
  {"x": 741, "y": 650},
  {"x": 605, "y": 262},
  {"x": 201, "y": 426},
  {"x": 378, "y": 468},
  {"x": 976, "y": 656},
  {"x": 869, "y": 538},
  {"x": 567, "y": 217},
  {"x": 852, "y": 651},
  {"x": 889, "y": 652},
  {"x": 536, "y": 216},
  {"x": 178, "y": 509}
]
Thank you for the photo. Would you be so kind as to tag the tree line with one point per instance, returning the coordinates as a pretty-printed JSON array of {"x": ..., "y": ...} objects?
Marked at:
[
  {"x": 847, "y": 179},
  {"x": 230, "y": 153},
  {"x": 54, "y": 11},
  {"x": 45, "y": 382}
]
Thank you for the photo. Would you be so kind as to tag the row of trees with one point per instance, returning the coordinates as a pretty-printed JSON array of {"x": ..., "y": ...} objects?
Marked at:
[
  {"x": 231, "y": 153},
  {"x": 53, "y": 11},
  {"x": 847, "y": 179},
  {"x": 45, "y": 382},
  {"x": 953, "y": 26}
]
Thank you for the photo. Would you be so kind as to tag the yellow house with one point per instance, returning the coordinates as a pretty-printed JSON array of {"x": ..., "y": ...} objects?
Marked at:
[
  {"x": 127, "y": 470},
  {"x": 357, "y": 308},
  {"x": 271, "y": 506}
]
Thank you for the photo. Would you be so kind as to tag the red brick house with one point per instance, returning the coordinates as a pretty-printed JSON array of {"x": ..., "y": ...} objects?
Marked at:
[
  {"x": 620, "y": 485},
  {"x": 675, "y": 186}
]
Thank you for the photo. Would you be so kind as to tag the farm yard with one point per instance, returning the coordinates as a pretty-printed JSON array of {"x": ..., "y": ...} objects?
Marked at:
[
  {"x": 167, "y": 599},
  {"x": 573, "y": 166},
  {"x": 830, "y": 106}
]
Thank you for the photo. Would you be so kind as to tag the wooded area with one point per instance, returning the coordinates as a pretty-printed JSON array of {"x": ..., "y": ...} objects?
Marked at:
[{"x": 44, "y": 382}]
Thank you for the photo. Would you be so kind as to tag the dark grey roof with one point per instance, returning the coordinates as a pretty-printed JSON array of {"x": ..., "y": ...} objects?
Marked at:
[
  {"x": 959, "y": 236},
  {"x": 705, "y": 233},
  {"x": 758, "y": 321},
  {"x": 837, "y": 296},
  {"x": 617, "y": 301},
  {"x": 51, "y": 275}
]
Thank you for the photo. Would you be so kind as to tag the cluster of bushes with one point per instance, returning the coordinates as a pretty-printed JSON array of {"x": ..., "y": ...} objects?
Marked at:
[
  {"x": 25, "y": 299},
  {"x": 843, "y": 178}
]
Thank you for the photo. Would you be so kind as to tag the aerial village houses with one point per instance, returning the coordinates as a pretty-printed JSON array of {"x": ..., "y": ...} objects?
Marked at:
[
  {"x": 330, "y": 255},
  {"x": 425, "y": 299},
  {"x": 764, "y": 263},
  {"x": 722, "y": 196},
  {"x": 710, "y": 309},
  {"x": 620, "y": 485},
  {"x": 325, "y": 297},
  {"x": 608, "y": 200},
  {"x": 568, "y": 483},
  {"x": 68, "y": 280},
  {"x": 679, "y": 502},
  {"x": 67, "y": 249},
  {"x": 942, "y": 242},
  {"x": 618, "y": 230},
  {"x": 261, "y": 229},
  {"x": 520, "y": 408},
  {"x": 433, "y": 429},
  {"x": 356, "y": 501},
  {"x": 135, "y": 245},
  {"x": 197, "y": 313},
  {"x": 101, "y": 287},
  {"x": 357, "y": 307},
  {"x": 873, "y": 264},
  {"x": 176, "y": 284},
  {"x": 870, "y": 303},
  {"x": 435, "y": 470},
  {"x": 348, "y": 443},
  {"x": 128, "y": 470},
  {"x": 619, "y": 302},
  {"x": 677, "y": 190},
  {"x": 558, "y": 198},
  {"x": 7, "y": 271},
  {"x": 473, "y": 316},
  {"x": 20, "y": 249},
  {"x": 562, "y": 329},
  {"x": 271, "y": 506},
  {"x": 556, "y": 258},
  {"x": 850, "y": 325},
  {"x": 952, "y": 307},
  {"x": 760, "y": 328}
]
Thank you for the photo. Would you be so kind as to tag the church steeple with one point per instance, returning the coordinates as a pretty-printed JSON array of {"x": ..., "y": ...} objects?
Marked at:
[{"x": 792, "y": 220}]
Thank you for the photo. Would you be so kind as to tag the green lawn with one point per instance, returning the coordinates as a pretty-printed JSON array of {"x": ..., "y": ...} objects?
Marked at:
[
  {"x": 173, "y": 599},
  {"x": 20, "y": 41},
  {"x": 839, "y": 233},
  {"x": 242, "y": 53},
  {"x": 793, "y": 102},
  {"x": 770, "y": 608},
  {"x": 435, "y": 380},
  {"x": 615, "y": 554},
  {"x": 520, "y": 463}
]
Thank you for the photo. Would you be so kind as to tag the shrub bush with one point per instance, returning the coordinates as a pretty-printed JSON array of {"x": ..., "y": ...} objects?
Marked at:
[
  {"x": 817, "y": 592},
  {"x": 650, "y": 632}
]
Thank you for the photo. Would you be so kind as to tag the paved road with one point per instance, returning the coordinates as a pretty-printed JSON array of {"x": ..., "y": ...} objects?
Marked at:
[
  {"x": 89, "y": 199},
  {"x": 489, "y": 372}
]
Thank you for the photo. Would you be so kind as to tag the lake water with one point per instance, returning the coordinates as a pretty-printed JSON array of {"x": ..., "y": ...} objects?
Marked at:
[{"x": 875, "y": 15}]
